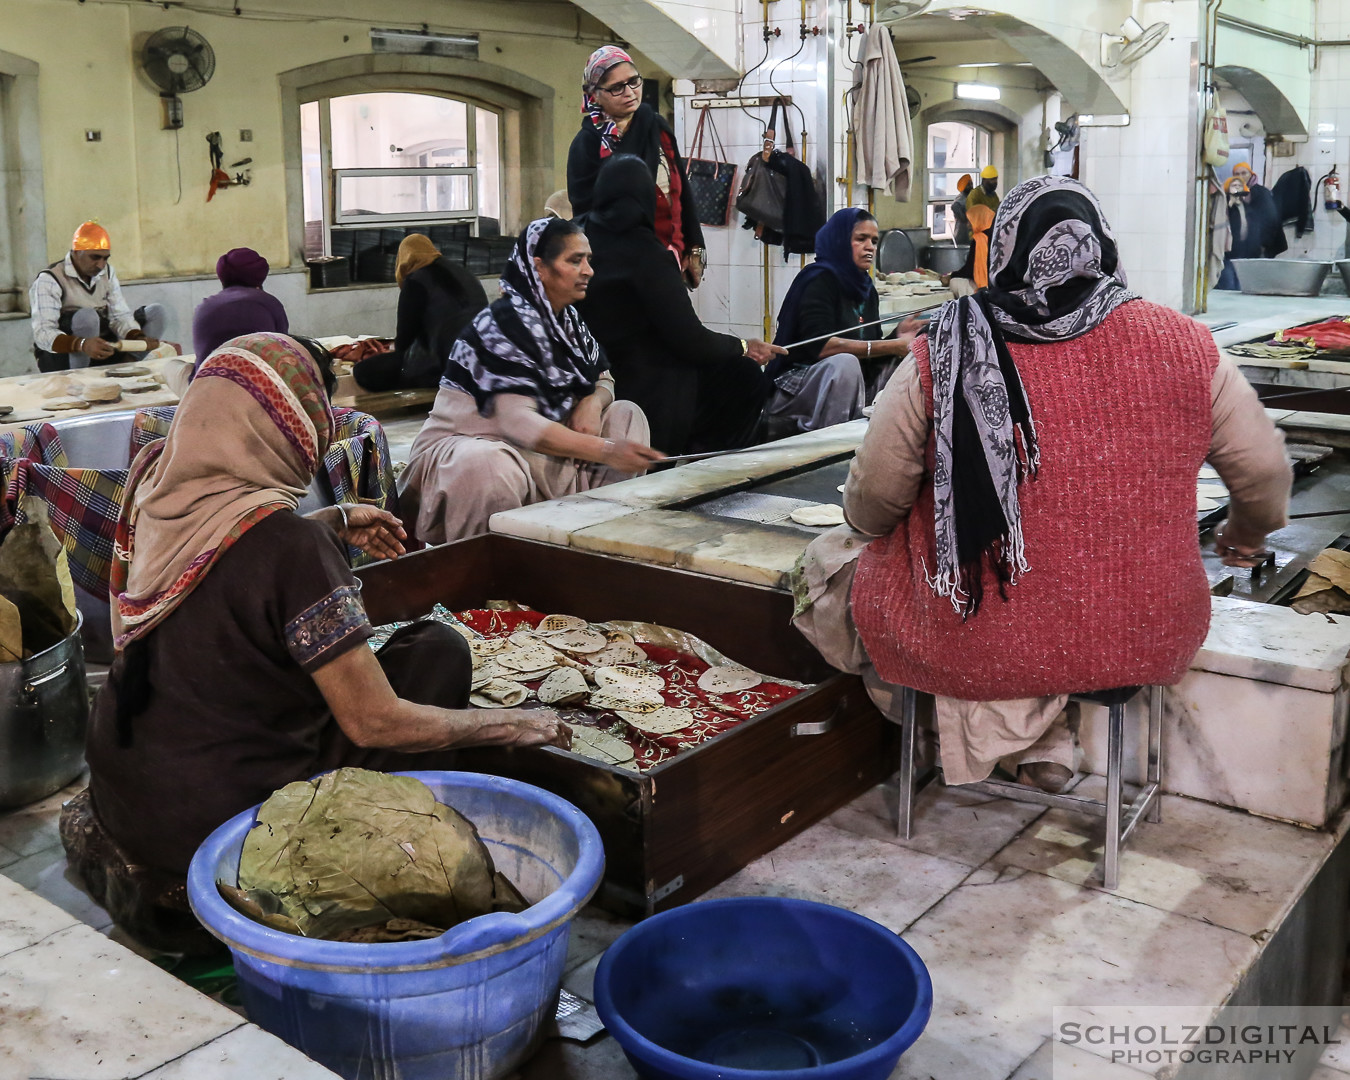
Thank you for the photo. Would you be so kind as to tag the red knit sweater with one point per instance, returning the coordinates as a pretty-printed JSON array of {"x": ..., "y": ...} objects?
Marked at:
[{"x": 1116, "y": 594}]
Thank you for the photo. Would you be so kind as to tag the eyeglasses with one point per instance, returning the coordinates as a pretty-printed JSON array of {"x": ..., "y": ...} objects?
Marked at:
[{"x": 620, "y": 87}]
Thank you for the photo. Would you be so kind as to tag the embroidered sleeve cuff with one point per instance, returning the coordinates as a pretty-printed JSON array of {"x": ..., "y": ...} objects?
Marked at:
[{"x": 324, "y": 631}]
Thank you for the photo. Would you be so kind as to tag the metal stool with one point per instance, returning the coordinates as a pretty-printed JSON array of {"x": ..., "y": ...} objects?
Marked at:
[{"x": 1120, "y": 819}]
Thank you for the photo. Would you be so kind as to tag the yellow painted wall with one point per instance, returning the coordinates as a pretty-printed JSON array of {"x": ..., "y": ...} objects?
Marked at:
[{"x": 129, "y": 181}]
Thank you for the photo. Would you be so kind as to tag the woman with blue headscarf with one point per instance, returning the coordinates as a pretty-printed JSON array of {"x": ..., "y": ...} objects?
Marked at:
[{"x": 829, "y": 382}]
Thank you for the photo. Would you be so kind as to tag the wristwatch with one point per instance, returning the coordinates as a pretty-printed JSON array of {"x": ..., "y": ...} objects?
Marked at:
[{"x": 701, "y": 253}]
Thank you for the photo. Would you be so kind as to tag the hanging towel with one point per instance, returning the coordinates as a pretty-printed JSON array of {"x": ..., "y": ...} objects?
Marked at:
[{"x": 883, "y": 140}]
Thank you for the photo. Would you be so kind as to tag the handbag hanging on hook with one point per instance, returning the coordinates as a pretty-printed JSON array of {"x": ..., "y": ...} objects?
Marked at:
[{"x": 763, "y": 195}]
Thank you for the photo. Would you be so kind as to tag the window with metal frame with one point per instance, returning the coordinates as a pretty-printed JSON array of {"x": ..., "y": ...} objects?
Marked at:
[
  {"x": 954, "y": 148},
  {"x": 396, "y": 159}
]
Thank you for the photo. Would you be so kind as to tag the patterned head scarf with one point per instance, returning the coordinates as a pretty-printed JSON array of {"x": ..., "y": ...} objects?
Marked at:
[
  {"x": 520, "y": 345},
  {"x": 1054, "y": 275},
  {"x": 190, "y": 496},
  {"x": 604, "y": 58}
]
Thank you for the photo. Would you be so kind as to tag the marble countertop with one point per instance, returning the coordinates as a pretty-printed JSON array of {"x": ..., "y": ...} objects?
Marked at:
[{"x": 637, "y": 519}]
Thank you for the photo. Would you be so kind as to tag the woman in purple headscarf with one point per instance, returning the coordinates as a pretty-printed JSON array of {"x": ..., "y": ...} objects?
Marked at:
[
  {"x": 241, "y": 307},
  {"x": 615, "y": 121}
]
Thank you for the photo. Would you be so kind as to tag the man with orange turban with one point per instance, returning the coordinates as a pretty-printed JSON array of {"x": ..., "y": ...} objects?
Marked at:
[
  {"x": 78, "y": 311},
  {"x": 960, "y": 226}
]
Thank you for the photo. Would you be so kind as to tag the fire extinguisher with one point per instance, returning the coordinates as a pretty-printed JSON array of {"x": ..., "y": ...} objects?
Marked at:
[{"x": 1331, "y": 190}]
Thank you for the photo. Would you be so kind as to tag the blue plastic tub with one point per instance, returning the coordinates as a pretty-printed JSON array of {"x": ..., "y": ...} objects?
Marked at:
[
  {"x": 468, "y": 1005},
  {"x": 758, "y": 987}
]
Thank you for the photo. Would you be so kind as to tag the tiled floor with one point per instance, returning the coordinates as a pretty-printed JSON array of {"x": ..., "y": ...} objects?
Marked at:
[{"x": 1000, "y": 900}]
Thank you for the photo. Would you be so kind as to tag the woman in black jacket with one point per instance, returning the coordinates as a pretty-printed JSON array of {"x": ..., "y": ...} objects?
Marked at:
[
  {"x": 830, "y": 381},
  {"x": 700, "y": 390},
  {"x": 617, "y": 122},
  {"x": 437, "y": 299}
]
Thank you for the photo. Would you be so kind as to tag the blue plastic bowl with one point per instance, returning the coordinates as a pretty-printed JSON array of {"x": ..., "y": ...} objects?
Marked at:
[
  {"x": 471, "y": 1004},
  {"x": 761, "y": 986}
]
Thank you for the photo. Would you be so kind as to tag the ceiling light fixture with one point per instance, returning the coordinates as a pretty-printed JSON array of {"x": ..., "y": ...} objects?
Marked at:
[{"x": 978, "y": 92}]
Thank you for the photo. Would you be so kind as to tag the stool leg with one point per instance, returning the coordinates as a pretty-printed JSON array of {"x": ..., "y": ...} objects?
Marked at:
[
  {"x": 1155, "y": 751},
  {"x": 1114, "y": 758},
  {"x": 904, "y": 818}
]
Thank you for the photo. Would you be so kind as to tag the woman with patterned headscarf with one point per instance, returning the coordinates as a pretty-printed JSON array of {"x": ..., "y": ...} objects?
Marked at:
[
  {"x": 615, "y": 121},
  {"x": 1022, "y": 508},
  {"x": 526, "y": 408},
  {"x": 242, "y": 662}
]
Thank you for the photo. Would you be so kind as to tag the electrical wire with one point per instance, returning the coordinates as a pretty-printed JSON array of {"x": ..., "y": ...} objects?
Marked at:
[
  {"x": 178, "y": 156},
  {"x": 274, "y": 16}
]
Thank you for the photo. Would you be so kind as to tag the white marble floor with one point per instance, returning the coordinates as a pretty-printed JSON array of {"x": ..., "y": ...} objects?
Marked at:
[{"x": 999, "y": 898}]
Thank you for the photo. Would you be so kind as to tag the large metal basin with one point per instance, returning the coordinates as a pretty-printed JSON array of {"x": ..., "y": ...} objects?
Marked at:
[
  {"x": 944, "y": 258},
  {"x": 44, "y": 710},
  {"x": 1343, "y": 268},
  {"x": 1281, "y": 277}
]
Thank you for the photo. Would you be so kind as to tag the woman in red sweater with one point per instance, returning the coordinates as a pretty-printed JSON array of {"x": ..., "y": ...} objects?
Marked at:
[{"x": 1022, "y": 510}]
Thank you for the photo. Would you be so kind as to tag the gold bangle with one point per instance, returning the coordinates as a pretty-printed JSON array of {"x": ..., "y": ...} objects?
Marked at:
[{"x": 745, "y": 347}]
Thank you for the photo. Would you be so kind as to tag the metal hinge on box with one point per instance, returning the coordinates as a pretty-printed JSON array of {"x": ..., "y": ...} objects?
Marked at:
[{"x": 673, "y": 885}]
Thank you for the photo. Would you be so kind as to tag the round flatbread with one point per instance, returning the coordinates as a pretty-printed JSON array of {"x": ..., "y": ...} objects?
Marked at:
[
  {"x": 624, "y": 678},
  {"x": 490, "y": 646},
  {"x": 1202, "y": 504},
  {"x": 728, "y": 679},
  {"x": 61, "y": 404},
  {"x": 1208, "y": 472},
  {"x": 139, "y": 386},
  {"x": 126, "y": 371},
  {"x": 101, "y": 392},
  {"x": 662, "y": 721},
  {"x": 600, "y": 745},
  {"x": 534, "y": 657},
  {"x": 820, "y": 515},
  {"x": 488, "y": 670},
  {"x": 554, "y": 624},
  {"x": 563, "y": 686},
  {"x": 522, "y": 638},
  {"x": 617, "y": 652},
  {"x": 1211, "y": 491},
  {"x": 625, "y": 699},
  {"x": 614, "y": 636},
  {"x": 580, "y": 642},
  {"x": 499, "y": 694}
]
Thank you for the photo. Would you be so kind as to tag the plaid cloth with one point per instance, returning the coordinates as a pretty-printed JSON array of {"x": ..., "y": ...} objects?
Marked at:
[{"x": 84, "y": 504}]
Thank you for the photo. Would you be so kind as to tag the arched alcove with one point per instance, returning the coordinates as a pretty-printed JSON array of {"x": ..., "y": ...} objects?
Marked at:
[
  {"x": 1275, "y": 111},
  {"x": 23, "y": 218},
  {"x": 526, "y": 106}
]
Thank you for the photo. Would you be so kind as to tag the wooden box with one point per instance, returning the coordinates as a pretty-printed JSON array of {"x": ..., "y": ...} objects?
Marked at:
[{"x": 678, "y": 829}]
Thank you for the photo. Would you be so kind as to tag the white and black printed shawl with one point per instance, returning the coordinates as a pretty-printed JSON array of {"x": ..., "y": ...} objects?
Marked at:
[
  {"x": 1054, "y": 274},
  {"x": 519, "y": 345}
]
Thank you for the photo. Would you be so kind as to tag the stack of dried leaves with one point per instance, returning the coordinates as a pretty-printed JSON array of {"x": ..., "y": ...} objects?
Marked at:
[
  {"x": 37, "y": 597},
  {"x": 364, "y": 856}
]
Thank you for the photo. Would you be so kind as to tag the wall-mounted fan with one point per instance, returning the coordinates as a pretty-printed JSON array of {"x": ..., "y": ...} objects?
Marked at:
[
  {"x": 1132, "y": 43},
  {"x": 178, "y": 60},
  {"x": 915, "y": 100}
]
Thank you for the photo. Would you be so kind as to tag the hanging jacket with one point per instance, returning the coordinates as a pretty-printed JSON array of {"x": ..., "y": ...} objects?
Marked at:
[
  {"x": 803, "y": 214},
  {"x": 1293, "y": 197}
]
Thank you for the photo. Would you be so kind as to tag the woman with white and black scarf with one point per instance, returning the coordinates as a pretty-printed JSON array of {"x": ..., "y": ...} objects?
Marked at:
[{"x": 526, "y": 409}]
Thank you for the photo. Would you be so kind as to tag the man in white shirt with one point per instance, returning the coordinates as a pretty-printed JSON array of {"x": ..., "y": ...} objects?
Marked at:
[{"x": 78, "y": 310}]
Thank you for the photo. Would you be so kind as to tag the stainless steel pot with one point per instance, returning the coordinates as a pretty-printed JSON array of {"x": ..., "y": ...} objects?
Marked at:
[
  {"x": 1281, "y": 277},
  {"x": 944, "y": 258},
  {"x": 44, "y": 710}
]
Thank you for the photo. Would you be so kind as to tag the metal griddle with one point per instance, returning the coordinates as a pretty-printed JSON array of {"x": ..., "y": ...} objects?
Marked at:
[{"x": 770, "y": 501}]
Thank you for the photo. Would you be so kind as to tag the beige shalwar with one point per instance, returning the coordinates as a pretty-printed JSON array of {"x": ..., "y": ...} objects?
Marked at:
[
  {"x": 465, "y": 467},
  {"x": 883, "y": 481}
]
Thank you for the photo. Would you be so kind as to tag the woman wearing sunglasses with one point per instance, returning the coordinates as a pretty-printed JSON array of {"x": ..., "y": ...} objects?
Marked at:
[{"x": 615, "y": 121}]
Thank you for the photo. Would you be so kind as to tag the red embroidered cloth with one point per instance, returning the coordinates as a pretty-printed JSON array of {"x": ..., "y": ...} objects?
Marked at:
[{"x": 713, "y": 713}]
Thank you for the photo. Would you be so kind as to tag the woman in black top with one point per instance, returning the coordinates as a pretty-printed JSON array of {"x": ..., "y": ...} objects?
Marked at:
[
  {"x": 437, "y": 299},
  {"x": 700, "y": 390},
  {"x": 829, "y": 381},
  {"x": 617, "y": 122}
]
